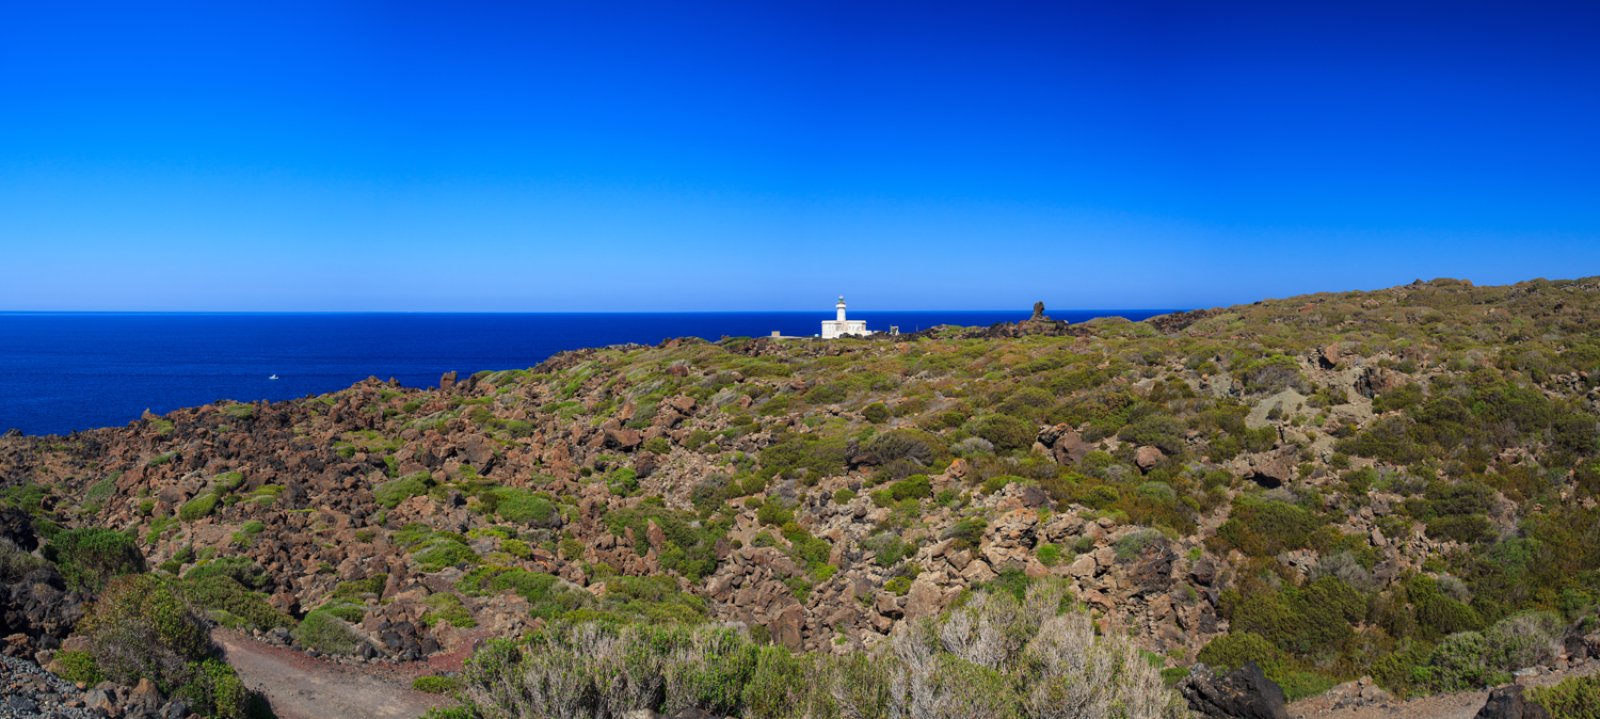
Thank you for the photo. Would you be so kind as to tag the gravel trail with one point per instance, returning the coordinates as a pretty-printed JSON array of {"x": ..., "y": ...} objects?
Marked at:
[{"x": 300, "y": 687}]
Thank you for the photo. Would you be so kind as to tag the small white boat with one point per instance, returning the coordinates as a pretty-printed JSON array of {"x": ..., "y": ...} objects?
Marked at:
[{"x": 273, "y": 377}]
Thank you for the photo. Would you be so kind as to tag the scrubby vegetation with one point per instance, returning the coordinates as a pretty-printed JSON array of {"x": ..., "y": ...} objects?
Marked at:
[
  {"x": 142, "y": 628},
  {"x": 90, "y": 557},
  {"x": 1403, "y": 484},
  {"x": 994, "y": 656},
  {"x": 1575, "y": 698}
]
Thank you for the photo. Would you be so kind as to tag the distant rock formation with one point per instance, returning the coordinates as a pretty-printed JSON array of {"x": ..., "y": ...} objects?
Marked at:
[{"x": 1038, "y": 313}]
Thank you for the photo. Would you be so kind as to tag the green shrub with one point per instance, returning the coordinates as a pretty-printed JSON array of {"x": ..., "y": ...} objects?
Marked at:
[
  {"x": 355, "y": 590},
  {"x": 1230, "y": 651},
  {"x": 1264, "y": 528},
  {"x": 1027, "y": 662},
  {"x": 523, "y": 506},
  {"x": 323, "y": 631},
  {"x": 548, "y": 596},
  {"x": 655, "y": 599},
  {"x": 198, "y": 508},
  {"x": 444, "y": 551},
  {"x": 691, "y": 543},
  {"x": 1005, "y": 432},
  {"x": 215, "y": 690},
  {"x": 1438, "y": 614},
  {"x": 246, "y": 535},
  {"x": 447, "y": 608},
  {"x": 436, "y": 684},
  {"x": 1309, "y": 621},
  {"x": 810, "y": 456},
  {"x": 243, "y": 570},
  {"x": 1573, "y": 698},
  {"x": 230, "y": 604},
  {"x": 89, "y": 557},
  {"x": 889, "y": 548},
  {"x": 227, "y": 482},
  {"x": 391, "y": 493},
  {"x": 1459, "y": 662},
  {"x": 914, "y": 487},
  {"x": 968, "y": 532},
  {"x": 142, "y": 628},
  {"x": 78, "y": 667},
  {"x": 898, "y": 585},
  {"x": 1133, "y": 544}
]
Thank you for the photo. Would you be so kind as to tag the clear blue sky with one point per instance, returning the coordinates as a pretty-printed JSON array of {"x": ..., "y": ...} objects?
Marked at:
[{"x": 765, "y": 155}]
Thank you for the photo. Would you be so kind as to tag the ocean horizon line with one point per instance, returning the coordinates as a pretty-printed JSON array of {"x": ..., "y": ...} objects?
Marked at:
[{"x": 980, "y": 310}]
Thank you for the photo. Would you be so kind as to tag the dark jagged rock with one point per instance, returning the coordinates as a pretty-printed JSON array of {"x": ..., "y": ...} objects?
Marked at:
[
  {"x": 1507, "y": 702},
  {"x": 17, "y": 526},
  {"x": 1246, "y": 693}
]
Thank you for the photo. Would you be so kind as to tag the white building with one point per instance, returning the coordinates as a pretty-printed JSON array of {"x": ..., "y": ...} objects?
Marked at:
[{"x": 841, "y": 327}]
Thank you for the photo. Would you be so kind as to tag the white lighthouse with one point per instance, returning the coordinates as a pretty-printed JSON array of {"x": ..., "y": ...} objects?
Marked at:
[{"x": 841, "y": 327}]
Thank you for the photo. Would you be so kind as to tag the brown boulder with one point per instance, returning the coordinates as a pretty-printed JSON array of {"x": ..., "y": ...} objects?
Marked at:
[
  {"x": 785, "y": 627},
  {"x": 1065, "y": 443},
  {"x": 1148, "y": 457},
  {"x": 623, "y": 438}
]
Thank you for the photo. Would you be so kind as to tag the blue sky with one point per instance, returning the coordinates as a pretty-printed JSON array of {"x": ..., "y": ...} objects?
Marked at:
[{"x": 739, "y": 155}]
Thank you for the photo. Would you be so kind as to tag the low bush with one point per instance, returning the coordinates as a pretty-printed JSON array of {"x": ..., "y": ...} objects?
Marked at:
[
  {"x": 436, "y": 684},
  {"x": 1232, "y": 650},
  {"x": 214, "y": 689},
  {"x": 968, "y": 532},
  {"x": 231, "y": 604},
  {"x": 888, "y": 547},
  {"x": 77, "y": 667},
  {"x": 391, "y": 493},
  {"x": 89, "y": 557},
  {"x": 198, "y": 508},
  {"x": 447, "y": 608},
  {"x": 993, "y": 656},
  {"x": 240, "y": 569},
  {"x": 1005, "y": 432},
  {"x": 142, "y": 628},
  {"x": 522, "y": 506},
  {"x": 548, "y": 596},
  {"x": 1573, "y": 698},
  {"x": 325, "y": 632},
  {"x": 1265, "y": 527}
]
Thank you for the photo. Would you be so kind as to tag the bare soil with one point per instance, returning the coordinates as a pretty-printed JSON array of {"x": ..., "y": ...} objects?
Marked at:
[{"x": 300, "y": 687}]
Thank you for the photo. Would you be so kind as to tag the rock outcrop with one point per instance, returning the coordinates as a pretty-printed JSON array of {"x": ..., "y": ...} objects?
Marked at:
[
  {"x": 1507, "y": 702},
  {"x": 1245, "y": 693}
]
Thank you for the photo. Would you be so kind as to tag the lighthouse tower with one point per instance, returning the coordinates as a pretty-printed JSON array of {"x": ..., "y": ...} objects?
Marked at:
[{"x": 841, "y": 327}]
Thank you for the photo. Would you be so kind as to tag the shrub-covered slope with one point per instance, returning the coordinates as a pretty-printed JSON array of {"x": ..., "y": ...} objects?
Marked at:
[{"x": 1399, "y": 483}]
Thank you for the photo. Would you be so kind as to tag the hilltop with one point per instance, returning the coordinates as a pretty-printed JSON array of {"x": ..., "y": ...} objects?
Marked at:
[{"x": 1399, "y": 484}]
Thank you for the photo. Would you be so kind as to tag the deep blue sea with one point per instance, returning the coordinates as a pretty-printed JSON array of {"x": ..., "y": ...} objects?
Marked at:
[{"x": 61, "y": 372}]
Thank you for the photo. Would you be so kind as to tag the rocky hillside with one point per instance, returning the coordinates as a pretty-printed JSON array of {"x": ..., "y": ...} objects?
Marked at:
[{"x": 1399, "y": 483}]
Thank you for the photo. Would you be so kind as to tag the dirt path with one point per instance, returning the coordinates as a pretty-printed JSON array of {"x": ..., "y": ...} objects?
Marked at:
[{"x": 300, "y": 687}]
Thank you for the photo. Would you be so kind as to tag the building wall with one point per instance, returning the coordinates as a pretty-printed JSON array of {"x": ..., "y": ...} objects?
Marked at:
[{"x": 832, "y": 328}]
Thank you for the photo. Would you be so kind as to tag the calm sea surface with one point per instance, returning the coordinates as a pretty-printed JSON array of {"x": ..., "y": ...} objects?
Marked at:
[{"x": 61, "y": 372}]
